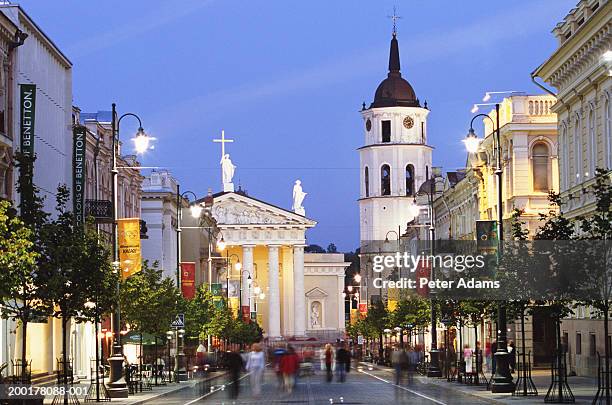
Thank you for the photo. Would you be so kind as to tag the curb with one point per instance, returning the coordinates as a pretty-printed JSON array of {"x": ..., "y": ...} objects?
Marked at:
[{"x": 179, "y": 388}]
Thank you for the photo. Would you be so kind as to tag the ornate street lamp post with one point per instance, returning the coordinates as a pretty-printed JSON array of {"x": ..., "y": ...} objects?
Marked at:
[
  {"x": 116, "y": 384},
  {"x": 502, "y": 381}
]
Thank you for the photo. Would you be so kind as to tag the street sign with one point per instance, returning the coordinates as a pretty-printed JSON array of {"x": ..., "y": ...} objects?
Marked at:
[
  {"x": 101, "y": 210},
  {"x": 359, "y": 340},
  {"x": 179, "y": 321}
]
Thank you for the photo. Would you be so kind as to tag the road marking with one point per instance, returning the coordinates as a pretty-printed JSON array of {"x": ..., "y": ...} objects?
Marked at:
[
  {"x": 215, "y": 391},
  {"x": 405, "y": 389}
]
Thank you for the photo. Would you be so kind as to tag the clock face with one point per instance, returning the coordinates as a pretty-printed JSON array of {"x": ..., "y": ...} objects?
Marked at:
[
  {"x": 408, "y": 122},
  {"x": 368, "y": 125}
]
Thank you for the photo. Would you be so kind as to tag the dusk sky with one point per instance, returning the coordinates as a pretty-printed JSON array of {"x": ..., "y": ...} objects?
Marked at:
[{"x": 286, "y": 80}]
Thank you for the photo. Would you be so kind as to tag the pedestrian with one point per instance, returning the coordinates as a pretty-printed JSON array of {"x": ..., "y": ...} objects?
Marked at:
[
  {"x": 278, "y": 354},
  {"x": 512, "y": 355},
  {"x": 289, "y": 366},
  {"x": 396, "y": 361},
  {"x": 234, "y": 363},
  {"x": 256, "y": 365},
  {"x": 329, "y": 359},
  {"x": 413, "y": 361},
  {"x": 343, "y": 362},
  {"x": 493, "y": 359}
]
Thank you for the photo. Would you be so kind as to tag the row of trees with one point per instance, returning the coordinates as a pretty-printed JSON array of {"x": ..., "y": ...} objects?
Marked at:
[{"x": 52, "y": 266}]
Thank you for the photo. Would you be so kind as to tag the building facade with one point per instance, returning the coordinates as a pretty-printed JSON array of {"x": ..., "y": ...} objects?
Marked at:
[
  {"x": 580, "y": 70},
  {"x": 33, "y": 58},
  {"x": 159, "y": 211}
]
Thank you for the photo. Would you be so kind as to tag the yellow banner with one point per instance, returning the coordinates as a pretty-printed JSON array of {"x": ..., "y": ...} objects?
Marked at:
[
  {"x": 128, "y": 232},
  {"x": 234, "y": 304},
  {"x": 391, "y": 305},
  {"x": 354, "y": 316}
]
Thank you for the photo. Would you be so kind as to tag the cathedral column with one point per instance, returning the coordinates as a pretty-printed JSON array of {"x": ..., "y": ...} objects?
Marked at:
[
  {"x": 299, "y": 304},
  {"x": 341, "y": 319},
  {"x": 273, "y": 291},
  {"x": 247, "y": 269}
]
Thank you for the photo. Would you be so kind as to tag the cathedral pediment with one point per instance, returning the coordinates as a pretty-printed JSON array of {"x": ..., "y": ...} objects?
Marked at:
[{"x": 239, "y": 209}]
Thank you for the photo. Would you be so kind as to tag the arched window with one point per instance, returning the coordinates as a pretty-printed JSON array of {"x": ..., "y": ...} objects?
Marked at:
[
  {"x": 577, "y": 143},
  {"x": 608, "y": 112},
  {"x": 540, "y": 160},
  {"x": 409, "y": 180},
  {"x": 564, "y": 161},
  {"x": 385, "y": 180},
  {"x": 592, "y": 144},
  {"x": 366, "y": 176}
]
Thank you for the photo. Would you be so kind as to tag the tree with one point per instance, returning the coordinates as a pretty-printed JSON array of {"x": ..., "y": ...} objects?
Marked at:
[
  {"x": 18, "y": 273},
  {"x": 331, "y": 248},
  {"x": 378, "y": 320},
  {"x": 75, "y": 271},
  {"x": 413, "y": 311},
  {"x": 245, "y": 333},
  {"x": 314, "y": 249},
  {"x": 198, "y": 312},
  {"x": 148, "y": 300}
]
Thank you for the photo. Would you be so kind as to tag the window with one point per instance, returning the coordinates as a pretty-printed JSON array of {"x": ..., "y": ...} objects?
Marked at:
[
  {"x": 578, "y": 343},
  {"x": 385, "y": 180},
  {"x": 592, "y": 345},
  {"x": 386, "y": 131},
  {"x": 409, "y": 180},
  {"x": 608, "y": 124},
  {"x": 592, "y": 143},
  {"x": 577, "y": 142},
  {"x": 564, "y": 162},
  {"x": 540, "y": 160},
  {"x": 366, "y": 176}
]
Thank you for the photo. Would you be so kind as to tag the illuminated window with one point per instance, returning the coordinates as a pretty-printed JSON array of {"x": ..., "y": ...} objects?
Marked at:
[{"x": 385, "y": 180}]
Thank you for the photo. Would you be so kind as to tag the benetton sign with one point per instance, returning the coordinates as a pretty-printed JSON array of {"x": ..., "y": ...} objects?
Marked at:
[
  {"x": 79, "y": 135},
  {"x": 27, "y": 111}
]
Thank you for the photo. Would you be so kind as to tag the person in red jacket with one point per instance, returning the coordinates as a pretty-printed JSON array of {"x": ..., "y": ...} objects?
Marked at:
[{"x": 289, "y": 366}]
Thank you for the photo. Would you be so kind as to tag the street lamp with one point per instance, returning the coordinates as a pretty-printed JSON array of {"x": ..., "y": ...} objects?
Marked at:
[
  {"x": 221, "y": 244},
  {"x": 116, "y": 382},
  {"x": 502, "y": 381}
]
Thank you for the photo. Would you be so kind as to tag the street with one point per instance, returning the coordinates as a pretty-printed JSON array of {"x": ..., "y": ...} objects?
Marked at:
[{"x": 363, "y": 386}]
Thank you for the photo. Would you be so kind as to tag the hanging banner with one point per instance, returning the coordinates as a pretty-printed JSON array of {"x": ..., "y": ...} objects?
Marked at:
[
  {"x": 246, "y": 313},
  {"x": 27, "y": 113},
  {"x": 128, "y": 232},
  {"x": 363, "y": 308},
  {"x": 215, "y": 289},
  {"x": 233, "y": 289},
  {"x": 218, "y": 303},
  {"x": 354, "y": 316},
  {"x": 79, "y": 135},
  {"x": 423, "y": 271},
  {"x": 188, "y": 279}
]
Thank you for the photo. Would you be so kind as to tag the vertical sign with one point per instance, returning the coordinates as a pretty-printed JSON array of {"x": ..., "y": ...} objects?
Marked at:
[
  {"x": 27, "y": 113},
  {"x": 79, "y": 135},
  {"x": 363, "y": 309},
  {"x": 188, "y": 279},
  {"x": 246, "y": 313},
  {"x": 128, "y": 230}
]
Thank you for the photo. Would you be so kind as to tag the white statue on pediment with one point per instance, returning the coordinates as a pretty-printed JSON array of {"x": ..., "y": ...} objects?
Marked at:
[
  {"x": 298, "y": 198},
  {"x": 227, "y": 171}
]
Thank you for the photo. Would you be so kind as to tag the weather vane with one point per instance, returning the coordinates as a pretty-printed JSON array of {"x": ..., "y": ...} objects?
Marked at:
[{"x": 394, "y": 17}]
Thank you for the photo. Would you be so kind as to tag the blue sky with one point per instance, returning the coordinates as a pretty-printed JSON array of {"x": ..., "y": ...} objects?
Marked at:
[{"x": 286, "y": 80}]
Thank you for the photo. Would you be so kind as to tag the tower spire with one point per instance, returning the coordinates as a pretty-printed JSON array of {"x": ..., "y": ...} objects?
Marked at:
[{"x": 394, "y": 60}]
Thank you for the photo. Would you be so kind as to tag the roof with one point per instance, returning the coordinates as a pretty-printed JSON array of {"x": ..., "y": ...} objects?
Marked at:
[
  {"x": 455, "y": 177},
  {"x": 394, "y": 91}
]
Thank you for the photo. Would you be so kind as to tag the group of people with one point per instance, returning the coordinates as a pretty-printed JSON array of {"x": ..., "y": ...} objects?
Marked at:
[
  {"x": 404, "y": 361},
  {"x": 341, "y": 358}
]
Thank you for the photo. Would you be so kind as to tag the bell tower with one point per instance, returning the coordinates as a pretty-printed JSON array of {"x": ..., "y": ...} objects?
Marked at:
[{"x": 395, "y": 158}]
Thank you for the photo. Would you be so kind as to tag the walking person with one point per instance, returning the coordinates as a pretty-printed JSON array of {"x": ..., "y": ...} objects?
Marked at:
[
  {"x": 397, "y": 364},
  {"x": 289, "y": 366},
  {"x": 255, "y": 365},
  {"x": 343, "y": 362},
  {"x": 329, "y": 359},
  {"x": 512, "y": 355},
  {"x": 234, "y": 364}
]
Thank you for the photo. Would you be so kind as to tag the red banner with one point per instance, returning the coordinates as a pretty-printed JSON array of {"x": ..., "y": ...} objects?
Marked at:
[
  {"x": 188, "y": 279},
  {"x": 423, "y": 271},
  {"x": 246, "y": 313},
  {"x": 363, "y": 308}
]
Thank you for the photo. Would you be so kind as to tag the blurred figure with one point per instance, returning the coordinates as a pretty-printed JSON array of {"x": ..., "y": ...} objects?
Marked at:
[
  {"x": 413, "y": 361},
  {"x": 278, "y": 353},
  {"x": 512, "y": 355},
  {"x": 234, "y": 363},
  {"x": 467, "y": 357},
  {"x": 289, "y": 366},
  {"x": 343, "y": 362},
  {"x": 256, "y": 365},
  {"x": 329, "y": 359},
  {"x": 397, "y": 364}
]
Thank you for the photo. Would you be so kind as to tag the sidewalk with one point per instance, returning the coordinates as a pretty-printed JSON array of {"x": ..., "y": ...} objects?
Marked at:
[
  {"x": 583, "y": 388},
  {"x": 156, "y": 392}
]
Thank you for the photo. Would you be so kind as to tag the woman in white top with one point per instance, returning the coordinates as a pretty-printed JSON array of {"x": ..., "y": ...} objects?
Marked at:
[{"x": 255, "y": 366}]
